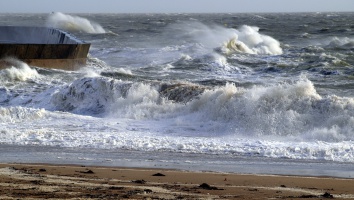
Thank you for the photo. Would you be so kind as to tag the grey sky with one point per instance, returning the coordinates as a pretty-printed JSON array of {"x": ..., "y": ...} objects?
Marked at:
[{"x": 179, "y": 6}]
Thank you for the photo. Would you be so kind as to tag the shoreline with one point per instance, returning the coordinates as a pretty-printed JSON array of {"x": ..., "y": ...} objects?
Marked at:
[
  {"x": 41, "y": 181},
  {"x": 174, "y": 160}
]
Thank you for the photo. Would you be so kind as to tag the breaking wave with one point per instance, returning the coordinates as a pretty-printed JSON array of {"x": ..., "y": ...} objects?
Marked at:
[
  {"x": 294, "y": 110},
  {"x": 341, "y": 42},
  {"x": 19, "y": 114},
  {"x": 17, "y": 71},
  {"x": 73, "y": 23},
  {"x": 288, "y": 109},
  {"x": 259, "y": 120},
  {"x": 245, "y": 39}
]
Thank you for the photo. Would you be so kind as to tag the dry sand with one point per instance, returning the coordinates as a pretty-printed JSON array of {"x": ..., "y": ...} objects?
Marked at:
[{"x": 30, "y": 181}]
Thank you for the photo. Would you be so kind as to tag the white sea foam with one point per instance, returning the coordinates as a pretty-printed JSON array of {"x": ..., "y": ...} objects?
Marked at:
[
  {"x": 17, "y": 71},
  {"x": 245, "y": 39},
  {"x": 19, "y": 114},
  {"x": 332, "y": 42},
  {"x": 341, "y": 42},
  {"x": 273, "y": 118},
  {"x": 112, "y": 133},
  {"x": 86, "y": 96},
  {"x": 289, "y": 120},
  {"x": 73, "y": 23},
  {"x": 286, "y": 110}
]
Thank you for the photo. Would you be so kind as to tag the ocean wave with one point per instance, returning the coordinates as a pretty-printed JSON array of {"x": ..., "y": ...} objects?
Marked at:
[
  {"x": 17, "y": 70},
  {"x": 335, "y": 42},
  {"x": 89, "y": 95},
  {"x": 73, "y": 23},
  {"x": 288, "y": 120},
  {"x": 98, "y": 133},
  {"x": 247, "y": 39},
  {"x": 283, "y": 110},
  {"x": 19, "y": 114},
  {"x": 293, "y": 110},
  {"x": 340, "y": 42}
]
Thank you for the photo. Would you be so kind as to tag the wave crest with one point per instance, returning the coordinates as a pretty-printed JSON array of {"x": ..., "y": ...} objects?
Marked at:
[
  {"x": 18, "y": 114},
  {"x": 73, "y": 23},
  {"x": 17, "y": 71},
  {"x": 341, "y": 43},
  {"x": 247, "y": 39},
  {"x": 293, "y": 110}
]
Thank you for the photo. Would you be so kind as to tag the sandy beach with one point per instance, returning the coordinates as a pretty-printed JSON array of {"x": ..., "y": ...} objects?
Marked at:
[{"x": 43, "y": 181}]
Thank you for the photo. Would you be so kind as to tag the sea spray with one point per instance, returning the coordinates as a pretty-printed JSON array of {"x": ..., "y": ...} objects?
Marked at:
[
  {"x": 109, "y": 97},
  {"x": 180, "y": 92},
  {"x": 73, "y": 23},
  {"x": 285, "y": 110},
  {"x": 88, "y": 95},
  {"x": 245, "y": 39},
  {"x": 19, "y": 114},
  {"x": 340, "y": 43},
  {"x": 17, "y": 70},
  {"x": 225, "y": 119}
]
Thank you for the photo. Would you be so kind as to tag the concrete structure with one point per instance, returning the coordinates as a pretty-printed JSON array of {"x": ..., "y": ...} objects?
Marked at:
[{"x": 42, "y": 47}]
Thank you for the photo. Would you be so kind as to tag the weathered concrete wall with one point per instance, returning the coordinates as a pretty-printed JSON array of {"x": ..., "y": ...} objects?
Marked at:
[
  {"x": 35, "y": 35},
  {"x": 44, "y": 51},
  {"x": 42, "y": 47},
  {"x": 65, "y": 64}
]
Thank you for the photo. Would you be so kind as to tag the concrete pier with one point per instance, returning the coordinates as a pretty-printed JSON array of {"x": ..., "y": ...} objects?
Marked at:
[{"x": 42, "y": 47}]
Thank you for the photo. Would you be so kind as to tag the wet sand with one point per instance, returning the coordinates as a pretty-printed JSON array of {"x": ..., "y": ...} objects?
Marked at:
[{"x": 39, "y": 181}]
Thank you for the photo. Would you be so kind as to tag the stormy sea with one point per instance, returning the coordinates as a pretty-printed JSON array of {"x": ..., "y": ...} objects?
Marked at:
[{"x": 268, "y": 93}]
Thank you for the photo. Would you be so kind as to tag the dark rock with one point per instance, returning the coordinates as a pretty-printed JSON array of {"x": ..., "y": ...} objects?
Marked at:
[
  {"x": 37, "y": 182},
  {"x": 116, "y": 188},
  {"x": 208, "y": 187},
  {"x": 308, "y": 196},
  {"x": 327, "y": 195},
  {"x": 148, "y": 191},
  {"x": 87, "y": 172},
  {"x": 158, "y": 174},
  {"x": 142, "y": 181}
]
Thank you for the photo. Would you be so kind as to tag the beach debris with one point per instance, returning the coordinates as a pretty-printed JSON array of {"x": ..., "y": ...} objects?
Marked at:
[
  {"x": 306, "y": 196},
  {"x": 142, "y": 181},
  {"x": 37, "y": 182},
  {"x": 208, "y": 187},
  {"x": 327, "y": 195},
  {"x": 42, "y": 170},
  {"x": 116, "y": 188},
  {"x": 158, "y": 174},
  {"x": 131, "y": 193},
  {"x": 147, "y": 191},
  {"x": 87, "y": 172}
]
